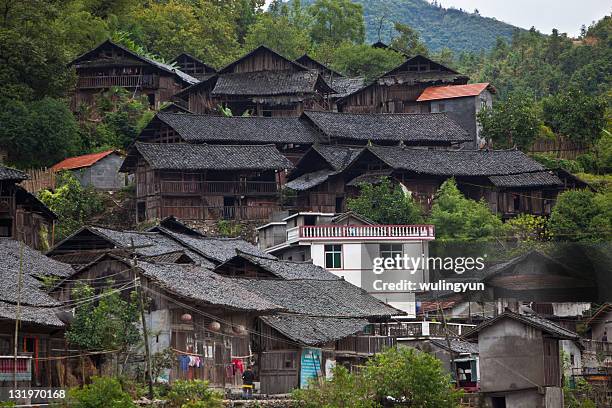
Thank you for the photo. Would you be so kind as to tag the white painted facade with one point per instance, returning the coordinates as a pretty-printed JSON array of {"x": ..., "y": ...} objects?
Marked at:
[{"x": 359, "y": 244}]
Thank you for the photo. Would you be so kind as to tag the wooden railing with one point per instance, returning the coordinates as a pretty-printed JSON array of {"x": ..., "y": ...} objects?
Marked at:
[
  {"x": 367, "y": 231},
  {"x": 128, "y": 81},
  {"x": 595, "y": 346},
  {"x": 8, "y": 371},
  {"x": 260, "y": 213},
  {"x": 218, "y": 187},
  {"x": 366, "y": 345}
]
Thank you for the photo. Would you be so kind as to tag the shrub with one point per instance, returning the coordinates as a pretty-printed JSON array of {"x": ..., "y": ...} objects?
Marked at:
[
  {"x": 582, "y": 215},
  {"x": 344, "y": 389},
  {"x": 385, "y": 203},
  {"x": 103, "y": 392},
  {"x": 193, "y": 394}
]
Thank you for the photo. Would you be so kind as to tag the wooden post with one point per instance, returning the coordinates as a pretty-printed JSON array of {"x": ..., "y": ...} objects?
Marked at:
[
  {"x": 145, "y": 334},
  {"x": 17, "y": 314},
  {"x": 448, "y": 344}
]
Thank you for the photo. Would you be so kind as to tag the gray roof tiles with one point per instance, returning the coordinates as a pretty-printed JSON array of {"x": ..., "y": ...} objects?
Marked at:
[
  {"x": 406, "y": 127},
  {"x": 289, "y": 270},
  {"x": 314, "y": 331},
  {"x": 266, "y": 83},
  {"x": 8, "y": 173}
]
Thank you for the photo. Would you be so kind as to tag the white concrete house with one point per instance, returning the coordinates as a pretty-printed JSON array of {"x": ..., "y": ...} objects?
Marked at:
[{"x": 347, "y": 245}]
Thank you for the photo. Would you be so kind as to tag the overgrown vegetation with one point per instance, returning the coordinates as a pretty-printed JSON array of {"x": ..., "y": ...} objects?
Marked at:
[
  {"x": 193, "y": 394},
  {"x": 74, "y": 204},
  {"x": 396, "y": 377},
  {"x": 103, "y": 392},
  {"x": 385, "y": 203}
]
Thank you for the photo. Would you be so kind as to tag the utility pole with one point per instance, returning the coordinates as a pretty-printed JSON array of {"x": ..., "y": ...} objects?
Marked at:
[
  {"x": 448, "y": 344},
  {"x": 145, "y": 333},
  {"x": 18, "y": 314}
]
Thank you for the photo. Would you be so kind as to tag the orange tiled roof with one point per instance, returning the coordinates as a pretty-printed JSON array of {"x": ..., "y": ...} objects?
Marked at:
[
  {"x": 80, "y": 161},
  {"x": 452, "y": 91}
]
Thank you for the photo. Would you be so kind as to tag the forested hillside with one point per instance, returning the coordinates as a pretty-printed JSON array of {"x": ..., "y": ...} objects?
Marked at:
[{"x": 439, "y": 27}]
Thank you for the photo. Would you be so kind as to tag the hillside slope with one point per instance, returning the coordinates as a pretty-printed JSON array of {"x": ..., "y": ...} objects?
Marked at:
[{"x": 438, "y": 27}]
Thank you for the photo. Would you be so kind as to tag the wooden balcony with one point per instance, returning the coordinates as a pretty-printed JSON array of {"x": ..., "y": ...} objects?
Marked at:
[
  {"x": 125, "y": 81},
  {"x": 599, "y": 347},
  {"x": 365, "y": 232},
  {"x": 252, "y": 213},
  {"x": 208, "y": 188},
  {"x": 364, "y": 345}
]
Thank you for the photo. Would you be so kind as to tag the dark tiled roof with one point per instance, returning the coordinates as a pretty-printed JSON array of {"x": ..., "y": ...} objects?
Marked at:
[
  {"x": 216, "y": 249},
  {"x": 457, "y": 162},
  {"x": 210, "y": 128},
  {"x": 30, "y": 314},
  {"x": 308, "y": 61},
  {"x": 325, "y": 298},
  {"x": 289, "y": 270},
  {"x": 457, "y": 345},
  {"x": 314, "y": 330},
  {"x": 33, "y": 265},
  {"x": 372, "y": 177},
  {"x": 310, "y": 180},
  {"x": 183, "y": 156},
  {"x": 339, "y": 157},
  {"x": 543, "y": 178},
  {"x": 267, "y": 83},
  {"x": 201, "y": 284},
  {"x": 530, "y": 320},
  {"x": 8, "y": 173},
  {"x": 407, "y": 127},
  {"x": 346, "y": 86},
  {"x": 171, "y": 257}
]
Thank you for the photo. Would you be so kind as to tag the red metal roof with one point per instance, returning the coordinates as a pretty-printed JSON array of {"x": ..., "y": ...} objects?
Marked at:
[
  {"x": 452, "y": 91},
  {"x": 80, "y": 161}
]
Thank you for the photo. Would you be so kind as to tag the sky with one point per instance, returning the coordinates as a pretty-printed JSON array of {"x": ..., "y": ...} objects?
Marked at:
[{"x": 565, "y": 15}]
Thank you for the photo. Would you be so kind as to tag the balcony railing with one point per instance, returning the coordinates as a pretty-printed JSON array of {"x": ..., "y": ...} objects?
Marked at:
[
  {"x": 399, "y": 232},
  {"x": 23, "y": 372},
  {"x": 595, "y": 346},
  {"x": 427, "y": 329},
  {"x": 218, "y": 187},
  {"x": 127, "y": 81},
  {"x": 365, "y": 345},
  {"x": 260, "y": 213}
]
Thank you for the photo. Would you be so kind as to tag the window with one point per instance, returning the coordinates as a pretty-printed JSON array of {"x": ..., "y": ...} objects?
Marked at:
[
  {"x": 391, "y": 251},
  {"x": 6, "y": 227},
  {"x": 441, "y": 107},
  {"x": 333, "y": 256}
]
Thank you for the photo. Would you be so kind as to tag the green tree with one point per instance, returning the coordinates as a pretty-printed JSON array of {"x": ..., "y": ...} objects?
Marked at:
[
  {"x": 415, "y": 378},
  {"x": 38, "y": 133},
  {"x": 362, "y": 60},
  {"x": 603, "y": 150},
  {"x": 385, "y": 203},
  {"x": 459, "y": 218},
  {"x": 74, "y": 204},
  {"x": 575, "y": 114},
  {"x": 106, "y": 323},
  {"x": 408, "y": 41},
  {"x": 343, "y": 390},
  {"x": 280, "y": 33},
  {"x": 582, "y": 215},
  {"x": 512, "y": 122},
  {"x": 337, "y": 21}
]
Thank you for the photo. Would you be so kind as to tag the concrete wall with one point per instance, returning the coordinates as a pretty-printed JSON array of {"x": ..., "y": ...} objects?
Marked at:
[
  {"x": 511, "y": 357},
  {"x": 357, "y": 268},
  {"x": 522, "y": 399},
  {"x": 103, "y": 175},
  {"x": 605, "y": 324}
]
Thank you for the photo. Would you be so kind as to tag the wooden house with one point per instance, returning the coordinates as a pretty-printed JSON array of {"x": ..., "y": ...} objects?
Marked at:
[
  {"x": 397, "y": 91},
  {"x": 113, "y": 65},
  {"x": 193, "y": 66},
  {"x": 227, "y": 314},
  {"x": 261, "y": 83},
  {"x": 519, "y": 360},
  {"x": 508, "y": 180},
  {"x": 206, "y": 182},
  {"x": 23, "y": 216},
  {"x": 97, "y": 170},
  {"x": 40, "y": 333},
  {"x": 292, "y": 136}
]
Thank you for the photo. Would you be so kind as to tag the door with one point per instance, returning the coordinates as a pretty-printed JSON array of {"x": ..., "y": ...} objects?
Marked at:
[{"x": 279, "y": 371}]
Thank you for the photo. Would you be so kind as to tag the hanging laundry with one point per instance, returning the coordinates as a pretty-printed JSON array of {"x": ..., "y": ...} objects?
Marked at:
[
  {"x": 184, "y": 362},
  {"x": 238, "y": 364},
  {"x": 229, "y": 371}
]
